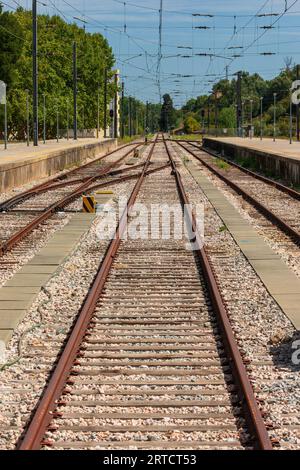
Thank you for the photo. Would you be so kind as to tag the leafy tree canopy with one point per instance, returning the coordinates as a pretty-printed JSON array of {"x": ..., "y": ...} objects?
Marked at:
[
  {"x": 168, "y": 114},
  {"x": 55, "y": 43}
]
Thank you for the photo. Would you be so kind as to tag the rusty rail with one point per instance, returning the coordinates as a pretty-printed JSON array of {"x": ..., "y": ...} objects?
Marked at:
[
  {"x": 42, "y": 415},
  {"x": 251, "y": 406},
  {"x": 33, "y": 437},
  {"x": 58, "y": 205},
  {"x": 49, "y": 185},
  {"x": 285, "y": 189},
  {"x": 287, "y": 229}
]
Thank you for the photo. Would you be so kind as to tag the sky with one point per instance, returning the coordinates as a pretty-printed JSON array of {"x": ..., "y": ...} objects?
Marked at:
[{"x": 255, "y": 36}]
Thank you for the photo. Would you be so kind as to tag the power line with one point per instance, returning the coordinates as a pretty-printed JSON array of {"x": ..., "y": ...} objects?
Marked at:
[
  {"x": 248, "y": 22},
  {"x": 10, "y": 33},
  {"x": 246, "y": 48},
  {"x": 189, "y": 13}
]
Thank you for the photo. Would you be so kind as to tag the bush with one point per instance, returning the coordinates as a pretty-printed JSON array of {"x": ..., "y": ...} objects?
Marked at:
[{"x": 191, "y": 125}]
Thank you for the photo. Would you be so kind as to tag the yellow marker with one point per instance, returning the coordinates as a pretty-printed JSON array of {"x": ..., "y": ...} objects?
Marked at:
[
  {"x": 104, "y": 192},
  {"x": 89, "y": 204}
]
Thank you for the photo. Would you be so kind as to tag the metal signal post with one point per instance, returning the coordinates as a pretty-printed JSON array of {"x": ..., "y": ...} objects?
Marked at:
[
  {"x": 239, "y": 104},
  {"x": 35, "y": 74},
  {"x": 75, "y": 88}
]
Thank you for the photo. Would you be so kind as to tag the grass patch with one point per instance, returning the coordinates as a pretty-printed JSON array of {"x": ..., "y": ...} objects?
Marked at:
[
  {"x": 223, "y": 228},
  {"x": 195, "y": 138},
  {"x": 128, "y": 140},
  {"x": 185, "y": 159},
  {"x": 221, "y": 164}
]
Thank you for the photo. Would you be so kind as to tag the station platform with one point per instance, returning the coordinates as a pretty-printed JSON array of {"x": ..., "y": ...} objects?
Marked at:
[
  {"x": 280, "y": 281},
  {"x": 20, "y": 292},
  {"x": 280, "y": 147},
  {"x": 20, "y": 164},
  {"x": 279, "y": 159}
]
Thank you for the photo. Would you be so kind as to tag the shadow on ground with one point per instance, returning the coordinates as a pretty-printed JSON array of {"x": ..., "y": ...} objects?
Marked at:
[{"x": 286, "y": 354}]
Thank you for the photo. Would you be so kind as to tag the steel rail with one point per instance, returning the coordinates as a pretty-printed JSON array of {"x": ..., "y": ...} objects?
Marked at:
[
  {"x": 32, "y": 440},
  {"x": 45, "y": 215},
  {"x": 47, "y": 186},
  {"x": 58, "y": 205},
  {"x": 285, "y": 189},
  {"x": 287, "y": 229},
  {"x": 116, "y": 181},
  {"x": 130, "y": 177},
  {"x": 55, "y": 186},
  {"x": 252, "y": 409}
]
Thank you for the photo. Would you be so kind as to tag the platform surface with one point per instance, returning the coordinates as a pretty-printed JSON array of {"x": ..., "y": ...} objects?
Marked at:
[
  {"x": 19, "y": 293},
  {"x": 280, "y": 147},
  {"x": 19, "y": 152}
]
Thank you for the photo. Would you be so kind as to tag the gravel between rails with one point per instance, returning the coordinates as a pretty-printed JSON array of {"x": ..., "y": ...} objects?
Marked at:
[
  {"x": 273, "y": 198},
  {"x": 264, "y": 333},
  {"x": 45, "y": 328},
  {"x": 154, "y": 297},
  {"x": 13, "y": 260},
  {"x": 13, "y": 221},
  {"x": 20, "y": 189}
]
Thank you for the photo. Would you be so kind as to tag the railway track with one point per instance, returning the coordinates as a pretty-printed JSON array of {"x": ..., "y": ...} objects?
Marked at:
[
  {"x": 74, "y": 176},
  {"x": 27, "y": 211},
  {"x": 276, "y": 202},
  {"x": 151, "y": 361}
]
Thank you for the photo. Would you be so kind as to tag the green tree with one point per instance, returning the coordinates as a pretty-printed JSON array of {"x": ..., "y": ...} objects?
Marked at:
[
  {"x": 227, "y": 118},
  {"x": 168, "y": 114},
  {"x": 191, "y": 125},
  {"x": 253, "y": 88},
  {"x": 138, "y": 116},
  {"x": 11, "y": 40},
  {"x": 55, "y": 43}
]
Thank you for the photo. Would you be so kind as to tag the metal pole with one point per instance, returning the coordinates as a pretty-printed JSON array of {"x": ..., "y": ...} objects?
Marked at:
[
  {"x": 27, "y": 117},
  {"x": 137, "y": 121},
  {"x": 147, "y": 118},
  {"x": 242, "y": 118},
  {"x": 83, "y": 120},
  {"x": 122, "y": 119},
  {"x": 261, "y": 118},
  {"x": 151, "y": 120},
  {"x": 75, "y": 88},
  {"x": 239, "y": 103},
  {"x": 251, "y": 118},
  {"x": 274, "y": 134},
  {"x": 298, "y": 109},
  {"x": 129, "y": 118},
  {"x": 216, "y": 115},
  {"x": 35, "y": 74},
  {"x": 5, "y": 125},
  {"x": 291, "y": 120},
  {"x": 44, "y": 113},
  {"x": 98, "y": 112},
  {"x": 105, "y": 103},
  {"x": 208, "y": 115},
  {"x": 68, "y": 119},
  {"x": 57, "y": 126},
  {"x": 116, "y": 108}
]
